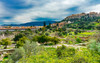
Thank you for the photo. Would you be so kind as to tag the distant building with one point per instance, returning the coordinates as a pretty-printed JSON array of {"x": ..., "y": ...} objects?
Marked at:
[
  {"x": 20, "y": 28},
  {"x": 58, "y": 24},
  {"x": 69, "y": 22}
]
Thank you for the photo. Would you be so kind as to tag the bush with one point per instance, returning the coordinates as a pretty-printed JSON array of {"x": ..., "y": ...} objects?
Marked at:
[
  {"x": 60, "y": 34},
  {"x": 63, "y": 51},
  {"x": 8, "y": 32},
  {"x": 18, "y": 36},
  {"x": 47, "y": 34},
  {"x": 76, "y": 32},
  {"x": 78, "y": 40},
  {"x": 21, "y": 42},
  {"x": 55, "y": 40},
  {"x": 18, "y": 54},
  {"x": 98, "y": 27},
  {"x": 43, "y": 39},
  {"x": 94, "y": 47}
]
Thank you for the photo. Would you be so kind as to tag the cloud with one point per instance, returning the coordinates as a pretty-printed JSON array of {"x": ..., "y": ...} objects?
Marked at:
[
  {"x": 31, "y": 10},
  {"x": 93, "y": 8},
  {"x": 54, "y": 9},
  {"x": 3, "y": 11}
]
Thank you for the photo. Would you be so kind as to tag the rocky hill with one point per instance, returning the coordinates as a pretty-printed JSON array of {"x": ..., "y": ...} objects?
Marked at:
[
  {"x": 83, "y": 20},
  {"x": 92, "y": 16}
]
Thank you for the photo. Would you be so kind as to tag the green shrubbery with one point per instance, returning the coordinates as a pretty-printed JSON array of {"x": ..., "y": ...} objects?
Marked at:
[
  {"x": 62, "y": 54},
  {"x": 5, "y": 42},
  {"x": 78, "y": 40},
  {"x": 46, "y": 39},
  {"x": 65, "y": 52}
]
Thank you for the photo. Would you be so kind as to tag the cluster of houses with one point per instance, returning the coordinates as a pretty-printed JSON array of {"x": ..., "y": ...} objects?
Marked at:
[
  {"x": 61, "y": 24},
  {"x": 19, "y": 28},
  {"x": 11, "y": 28}
]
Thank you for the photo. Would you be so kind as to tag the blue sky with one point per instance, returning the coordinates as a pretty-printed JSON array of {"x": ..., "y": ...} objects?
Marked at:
[{"x": 22, "y": 11}]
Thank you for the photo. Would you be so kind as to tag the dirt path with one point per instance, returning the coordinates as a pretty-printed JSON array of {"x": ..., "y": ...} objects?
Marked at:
[{"x": 75, "y": 46}]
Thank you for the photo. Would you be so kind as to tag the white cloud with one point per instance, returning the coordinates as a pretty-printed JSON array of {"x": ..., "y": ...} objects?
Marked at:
[
  {"x": 3, "y": 11},
  {"x": 93, "y": 8},
  {"x": 55, "y": 9}
]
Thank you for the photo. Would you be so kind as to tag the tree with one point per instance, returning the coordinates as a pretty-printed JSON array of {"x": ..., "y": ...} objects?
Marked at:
[
  {"x": 21, "y": 42},
  {"x": 16, "y": 55},
  {"x": 43, "y": 29},
  {"x": 43, "y": 39},
  {"x": 6, "y": 42},
  {"x": 18, "y": 36},
  {"x": 44, "y": 24}
]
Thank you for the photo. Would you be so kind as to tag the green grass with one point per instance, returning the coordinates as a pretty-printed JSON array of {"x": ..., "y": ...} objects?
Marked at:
[{"x": 87, "y": 33}]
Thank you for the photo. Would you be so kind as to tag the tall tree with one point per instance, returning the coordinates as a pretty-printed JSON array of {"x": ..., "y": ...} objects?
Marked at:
[{"x": 44, "y": 23}]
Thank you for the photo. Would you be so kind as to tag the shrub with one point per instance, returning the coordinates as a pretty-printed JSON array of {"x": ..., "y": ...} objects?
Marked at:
[
  {"x": 55, "y": 40},
  {"x": 76, "y": 32},
  {"x": 63, "y": 51},
  {"x": 94, "y": 47},
  {"x": 18, "y": 54},
  {"x": 43, "y": 39},
  {"x": 18, "y": 36},
  {"x": 21, "y": 42},
  {"x": 78, "y": 40},
  {"x": 47, "y": 34},
  {"x": 60, "y": 34}
]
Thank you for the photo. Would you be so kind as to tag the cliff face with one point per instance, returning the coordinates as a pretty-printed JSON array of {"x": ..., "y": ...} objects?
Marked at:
[{"x": 92, "y": 16}]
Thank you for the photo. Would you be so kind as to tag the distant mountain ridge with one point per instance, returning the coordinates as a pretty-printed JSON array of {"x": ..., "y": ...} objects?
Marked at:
[{"x": 31, "y": 23}]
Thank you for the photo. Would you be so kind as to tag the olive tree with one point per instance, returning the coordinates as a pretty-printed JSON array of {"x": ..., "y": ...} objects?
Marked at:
[{"x": 6, "y": 42}]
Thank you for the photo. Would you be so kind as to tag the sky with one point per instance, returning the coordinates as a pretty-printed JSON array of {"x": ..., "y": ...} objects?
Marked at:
[{"x": 23, "y": 11}]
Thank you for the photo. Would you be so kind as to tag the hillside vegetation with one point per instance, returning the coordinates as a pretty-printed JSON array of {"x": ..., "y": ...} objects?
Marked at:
[
  {"x": 83, "y": 20},
  {"x": 75, "y": 42}
]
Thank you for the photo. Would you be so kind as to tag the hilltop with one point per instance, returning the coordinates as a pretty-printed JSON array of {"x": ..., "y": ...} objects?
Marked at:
[
  {"x": 92, "y": 16},
  {"x": 83, "y": 20}
]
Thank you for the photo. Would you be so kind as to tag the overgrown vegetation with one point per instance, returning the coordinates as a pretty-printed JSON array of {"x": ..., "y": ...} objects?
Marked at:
[{"x": 78, "y": 42}]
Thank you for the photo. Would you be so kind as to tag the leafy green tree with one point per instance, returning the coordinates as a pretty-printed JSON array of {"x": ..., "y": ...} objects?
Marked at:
[
  {"x": 43, "y": 39},
  {"x": 18, "y": 36},
  {"x": 16, "y": 55},
  {"x": 28, "y": 49},
  {"x": 21, "y": 42},
  {"x": 6, "y": 42},
  {"x": 44, "y": 24}
]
